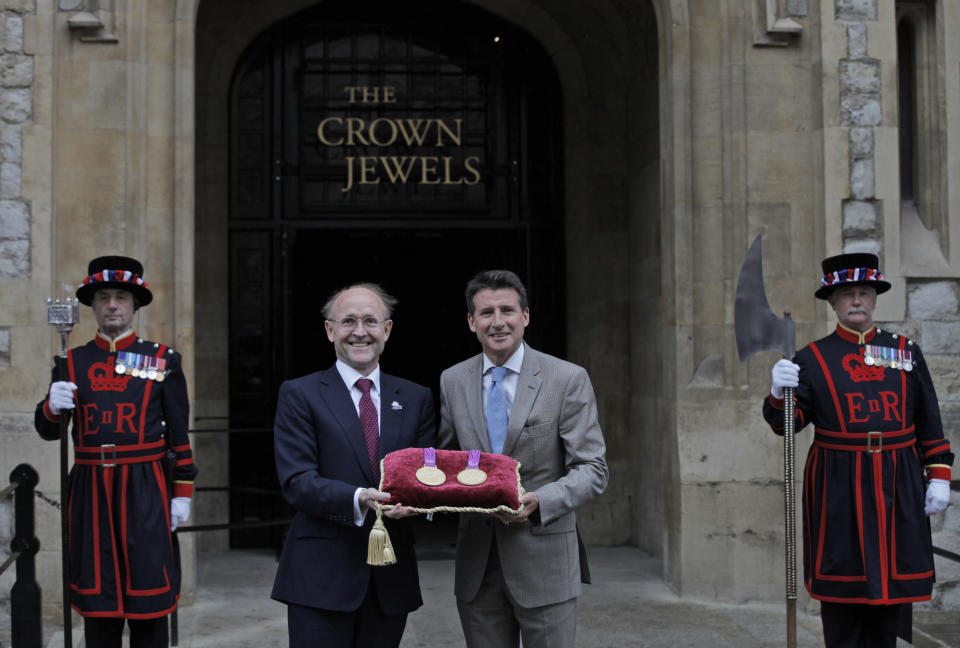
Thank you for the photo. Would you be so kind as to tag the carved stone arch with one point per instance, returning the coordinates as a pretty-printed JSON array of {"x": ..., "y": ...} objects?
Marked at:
[{"x": 625, "y": 110}]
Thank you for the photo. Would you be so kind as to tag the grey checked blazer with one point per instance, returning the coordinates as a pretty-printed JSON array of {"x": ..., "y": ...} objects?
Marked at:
[{"x": 555, "y": 435}]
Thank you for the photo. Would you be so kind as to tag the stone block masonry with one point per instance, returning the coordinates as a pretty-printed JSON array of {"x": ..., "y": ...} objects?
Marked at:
[{"x": 16, "y": 110}]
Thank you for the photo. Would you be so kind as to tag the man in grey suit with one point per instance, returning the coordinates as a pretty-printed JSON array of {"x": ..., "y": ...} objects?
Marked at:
[{"x": 520, "y": 575}]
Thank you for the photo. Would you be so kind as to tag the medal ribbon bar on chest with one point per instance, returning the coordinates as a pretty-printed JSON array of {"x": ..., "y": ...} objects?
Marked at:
[
  {"x": 141, "y": 366},
  {"x": 882, "y": 356}
]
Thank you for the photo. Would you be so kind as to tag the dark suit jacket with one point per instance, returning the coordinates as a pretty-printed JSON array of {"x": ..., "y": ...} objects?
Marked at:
[{"x": 321, "y": 461}]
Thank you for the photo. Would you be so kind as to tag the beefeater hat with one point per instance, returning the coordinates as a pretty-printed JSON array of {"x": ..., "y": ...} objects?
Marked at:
[
  {"x": 855, "y": 269},
  {"x": 114, "y": 272}
]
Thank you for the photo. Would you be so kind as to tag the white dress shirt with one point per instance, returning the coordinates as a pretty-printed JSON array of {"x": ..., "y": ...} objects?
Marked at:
[
  {"x": 513, "y": 363},
  {"x": 351, "y": 376}
]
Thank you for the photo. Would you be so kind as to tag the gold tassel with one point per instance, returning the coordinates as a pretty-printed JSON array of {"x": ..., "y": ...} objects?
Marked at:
[{"x": 379, "y": 548}]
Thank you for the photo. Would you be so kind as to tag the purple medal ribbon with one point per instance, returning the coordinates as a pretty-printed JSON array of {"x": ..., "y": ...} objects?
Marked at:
[
  {"x": 473, "y": 459},
  {"x": 472, "y": 475},
  {"x": 429, "y": 474}
]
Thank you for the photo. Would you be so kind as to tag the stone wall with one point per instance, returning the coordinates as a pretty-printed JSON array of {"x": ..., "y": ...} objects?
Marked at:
[
  {"x": 16, "y": 111},
  {"x": 933, "y": 321}
]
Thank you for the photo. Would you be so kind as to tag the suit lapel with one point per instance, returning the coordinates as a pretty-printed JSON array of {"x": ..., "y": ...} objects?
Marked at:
[
  {"x": 473, "y": 385},
  {"x": 337, "y": 396},
  {"x": 528, "y": 386},
  {"x": 391, "y": 416}
]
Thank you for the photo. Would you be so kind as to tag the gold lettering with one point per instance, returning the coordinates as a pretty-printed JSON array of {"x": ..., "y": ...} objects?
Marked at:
[
  {"x": 368, "y": 167},
  {"x": 414, "y": 132},
  {"x": 428, "y": 166},
  {"x": 442, "y": 126},
  {"x": 414, "y": 135},
  {"x": 372, "y": 94},
  {"x": 447, "y": 175},
  {"x": 349, "y": 184},
  {"x": 398, "y": 168},
  {"x": 385, "y": 132},
  {"x": 355, "y": 127},
  {"x": 372, "y": 131},
  {"x": 472, "y": 169},
  {"x": 321, "y": 127}
]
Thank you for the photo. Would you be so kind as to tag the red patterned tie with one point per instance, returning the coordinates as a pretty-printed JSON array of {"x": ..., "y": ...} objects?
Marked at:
[{"x": 368, "y": 420}]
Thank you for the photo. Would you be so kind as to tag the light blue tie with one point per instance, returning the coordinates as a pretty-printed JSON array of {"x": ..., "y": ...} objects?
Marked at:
[{"x": 496, "y": 410}]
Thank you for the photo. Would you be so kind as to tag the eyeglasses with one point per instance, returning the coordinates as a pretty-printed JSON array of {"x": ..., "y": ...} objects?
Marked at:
[{"x": 351, "y": 323}]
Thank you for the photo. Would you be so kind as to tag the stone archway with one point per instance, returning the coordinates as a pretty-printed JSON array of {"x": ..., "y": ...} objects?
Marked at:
[{"x": 608, "y": 59}]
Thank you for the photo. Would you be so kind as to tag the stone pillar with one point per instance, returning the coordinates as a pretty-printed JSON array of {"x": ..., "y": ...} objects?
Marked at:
[
  {"x": 861, "y": 169},
  {"x": 16, "y": 110}
]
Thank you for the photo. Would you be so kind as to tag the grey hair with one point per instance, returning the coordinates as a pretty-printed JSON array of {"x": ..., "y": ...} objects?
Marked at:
[{"x": 389, "y": 302}]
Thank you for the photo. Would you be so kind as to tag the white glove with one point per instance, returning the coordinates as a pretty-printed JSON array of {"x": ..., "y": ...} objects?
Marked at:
[
  {"x": 784, "y": 374},
  {"x": 179, "y": 511},
  {"x": 61, "y": 396},
  {"x": 938, "y": 496}
]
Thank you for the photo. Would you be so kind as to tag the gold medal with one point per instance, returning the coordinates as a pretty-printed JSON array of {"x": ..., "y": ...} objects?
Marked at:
[
  {"x": 429, "y": 474},
  {"x": 161, "y": 376},
  {"x": 472, "y": 475}
]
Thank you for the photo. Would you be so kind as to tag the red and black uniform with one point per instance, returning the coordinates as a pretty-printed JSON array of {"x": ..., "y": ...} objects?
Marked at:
[
  {"x": 122, "y": 556},
  {"x": 877, "y": 430}
]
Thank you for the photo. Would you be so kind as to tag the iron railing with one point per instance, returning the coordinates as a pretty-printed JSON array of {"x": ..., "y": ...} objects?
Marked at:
[{"x": 25, "y": 626}]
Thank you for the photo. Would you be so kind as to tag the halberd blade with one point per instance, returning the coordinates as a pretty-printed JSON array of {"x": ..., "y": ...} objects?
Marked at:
[{"x": 756, "y": 325}]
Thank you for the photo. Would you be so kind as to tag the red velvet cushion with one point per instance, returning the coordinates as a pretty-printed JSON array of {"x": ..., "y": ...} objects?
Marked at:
[{"x": 501, "y": 489}]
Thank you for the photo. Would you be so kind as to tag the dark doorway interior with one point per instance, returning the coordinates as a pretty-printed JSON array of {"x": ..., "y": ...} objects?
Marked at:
[
  {"x": 296, "y": 235},
  {"x": 427, "y": 271}
]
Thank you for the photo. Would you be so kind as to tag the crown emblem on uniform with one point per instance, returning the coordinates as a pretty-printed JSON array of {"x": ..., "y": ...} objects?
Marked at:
[
  {"x": 859, "y": 370},
  {"x": 103, "y": 378}
]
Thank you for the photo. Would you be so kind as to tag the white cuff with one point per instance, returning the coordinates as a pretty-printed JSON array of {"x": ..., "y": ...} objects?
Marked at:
[{"x": 358, "y": 515}]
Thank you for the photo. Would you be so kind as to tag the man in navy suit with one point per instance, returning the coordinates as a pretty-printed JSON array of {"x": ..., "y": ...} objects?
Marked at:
[{"x": 332, "y": 428}]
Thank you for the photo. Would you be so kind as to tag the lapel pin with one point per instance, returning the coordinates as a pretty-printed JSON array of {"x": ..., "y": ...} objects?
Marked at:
[{"x": 396, "y": 406}]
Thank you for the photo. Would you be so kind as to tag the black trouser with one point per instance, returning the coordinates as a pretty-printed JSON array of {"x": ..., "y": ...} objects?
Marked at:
[
  {"x": 108, "y": 633},
  {"x": 366, "y": 627},
  {"x": 852, "y": 625}
]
